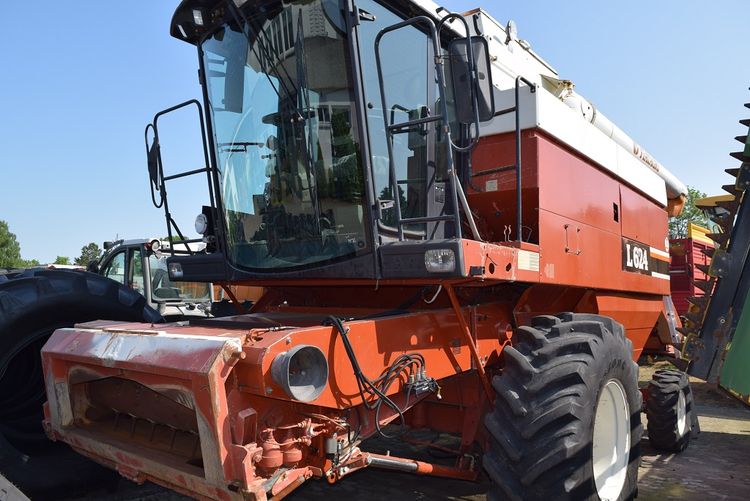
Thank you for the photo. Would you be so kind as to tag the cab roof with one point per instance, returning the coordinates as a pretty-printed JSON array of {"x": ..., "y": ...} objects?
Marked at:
[{"x": 185, "y": 27}]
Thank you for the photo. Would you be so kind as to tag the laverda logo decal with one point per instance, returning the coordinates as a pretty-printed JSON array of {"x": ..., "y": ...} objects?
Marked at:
[{"x": 640, "y": 258}]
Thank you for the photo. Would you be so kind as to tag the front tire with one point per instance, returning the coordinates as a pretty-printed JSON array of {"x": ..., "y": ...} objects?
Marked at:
[
  {"x": 566, "y": 422},
  {"x": 33, "y": 304},
  {"x": 669, "y": 410}
]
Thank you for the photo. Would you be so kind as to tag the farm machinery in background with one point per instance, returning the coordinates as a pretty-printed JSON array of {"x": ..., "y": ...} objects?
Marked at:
[
  {"x": 717, "y": 324},
  {"x": 141, "y": 264},
  {"x": 447, "y": 236},
  {"x": 690, "y": 258}
]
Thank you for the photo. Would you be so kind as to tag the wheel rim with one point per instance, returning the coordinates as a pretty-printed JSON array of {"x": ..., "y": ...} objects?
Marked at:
[
  {"x": 611, "y": 441},
  {"x": 681, "y": 414}
]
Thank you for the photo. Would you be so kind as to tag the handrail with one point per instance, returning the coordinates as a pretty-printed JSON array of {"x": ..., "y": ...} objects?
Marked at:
[
  {"x": 158, "y": 178},
  {"x": 415, "y": 122},
  {"x": 519, "y": 196}
]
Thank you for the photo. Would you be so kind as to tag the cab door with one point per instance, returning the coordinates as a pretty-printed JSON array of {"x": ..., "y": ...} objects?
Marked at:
[
  {"x": 408, "y": 82},
  {"x": 126, "y": 267}
]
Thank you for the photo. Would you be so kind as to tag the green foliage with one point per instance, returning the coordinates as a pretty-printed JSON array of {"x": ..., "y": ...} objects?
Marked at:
[
  {"x": 678, "y": 226},
  {"x": 10, "y": 250},
  {"x": 89, "y": 254},
  {"x": 62, "y": 260}
]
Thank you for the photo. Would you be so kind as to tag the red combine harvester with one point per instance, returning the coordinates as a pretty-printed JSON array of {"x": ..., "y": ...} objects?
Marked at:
[{"x": 419, "y": 206}]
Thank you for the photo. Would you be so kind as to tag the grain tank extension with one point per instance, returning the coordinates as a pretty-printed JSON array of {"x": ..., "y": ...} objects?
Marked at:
[{"x": 445, "y": 233}]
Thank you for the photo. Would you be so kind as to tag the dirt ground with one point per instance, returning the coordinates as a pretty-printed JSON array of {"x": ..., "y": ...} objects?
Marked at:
[{"x": 716, "y": 465}]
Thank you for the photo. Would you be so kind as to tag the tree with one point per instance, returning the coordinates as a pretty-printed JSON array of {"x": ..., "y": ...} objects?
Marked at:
[
  {"x": 89, "y": 254},
  {"x": 62, "y": 260},
  {"x": 678, "y": 226},
  {"x": 10, "y": 250}
]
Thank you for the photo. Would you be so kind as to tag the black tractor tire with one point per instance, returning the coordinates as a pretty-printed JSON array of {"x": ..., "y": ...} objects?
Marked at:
[
  {"x": 669, "y": 410},
  {"x": 33, "y": 304},
  {"x": 542, "y": 425}
]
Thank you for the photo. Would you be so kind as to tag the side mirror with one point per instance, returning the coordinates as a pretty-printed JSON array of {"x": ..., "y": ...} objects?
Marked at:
[
  {"x": 152, "y": 158},
  {"x": 462, "y": 80}
]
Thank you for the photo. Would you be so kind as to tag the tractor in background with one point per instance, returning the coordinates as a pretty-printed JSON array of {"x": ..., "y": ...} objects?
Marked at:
[{"x": 141, "y": 264}]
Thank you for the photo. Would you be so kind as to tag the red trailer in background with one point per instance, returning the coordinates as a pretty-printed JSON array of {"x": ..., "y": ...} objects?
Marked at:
[{"x": 688, "y": 263}]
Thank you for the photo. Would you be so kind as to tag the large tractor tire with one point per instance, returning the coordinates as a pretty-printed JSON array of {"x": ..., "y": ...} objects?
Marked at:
[
  {"x": 669, "y": 410},
  {"x": 566, "y": 422},
  {"x": 33, "y": 304}
]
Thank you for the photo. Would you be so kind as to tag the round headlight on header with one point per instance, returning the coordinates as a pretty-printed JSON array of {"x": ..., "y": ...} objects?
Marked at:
[{"x": 302, "y": 372}]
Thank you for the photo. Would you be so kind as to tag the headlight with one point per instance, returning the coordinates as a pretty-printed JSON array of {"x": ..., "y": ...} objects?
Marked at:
[
  {"x": 201, "y": 224},
  {"x": 301, "y": 371},
  {"x": 198, "y": 17},
  {"x": 440, "y": 260}
]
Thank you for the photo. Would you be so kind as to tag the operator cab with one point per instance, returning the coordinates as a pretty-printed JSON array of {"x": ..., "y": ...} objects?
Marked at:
[{"x": 336, "y": 146}]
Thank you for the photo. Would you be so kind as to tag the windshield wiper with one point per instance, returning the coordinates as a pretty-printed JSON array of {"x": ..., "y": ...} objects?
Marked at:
[{"x": 239, "y": 146}]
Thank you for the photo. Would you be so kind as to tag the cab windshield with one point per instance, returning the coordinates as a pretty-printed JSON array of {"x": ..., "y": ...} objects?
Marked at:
[{"x": 283, "y": 116}]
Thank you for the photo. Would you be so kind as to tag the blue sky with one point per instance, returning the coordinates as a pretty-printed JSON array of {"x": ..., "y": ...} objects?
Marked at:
[{"x": 80, "y": 80}]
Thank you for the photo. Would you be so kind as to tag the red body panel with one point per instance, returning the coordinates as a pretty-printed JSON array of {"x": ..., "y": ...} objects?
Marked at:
[{"x": 569, "y": 210}]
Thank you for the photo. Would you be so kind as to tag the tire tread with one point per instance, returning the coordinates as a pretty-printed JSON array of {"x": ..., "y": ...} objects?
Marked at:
[
  {"x": 661, "y": 410},
  {"x": 543, "y": 398}
]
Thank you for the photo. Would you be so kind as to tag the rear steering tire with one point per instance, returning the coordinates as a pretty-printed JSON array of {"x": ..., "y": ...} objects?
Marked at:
[
  {"x": 669, "y": 410},
  {"x": 566, "y": 422}
]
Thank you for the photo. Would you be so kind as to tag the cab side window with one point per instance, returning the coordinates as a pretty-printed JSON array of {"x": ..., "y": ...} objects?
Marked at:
[
  {"x": 115, "y": 269},
  {"x": 136, "y": 271}
]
